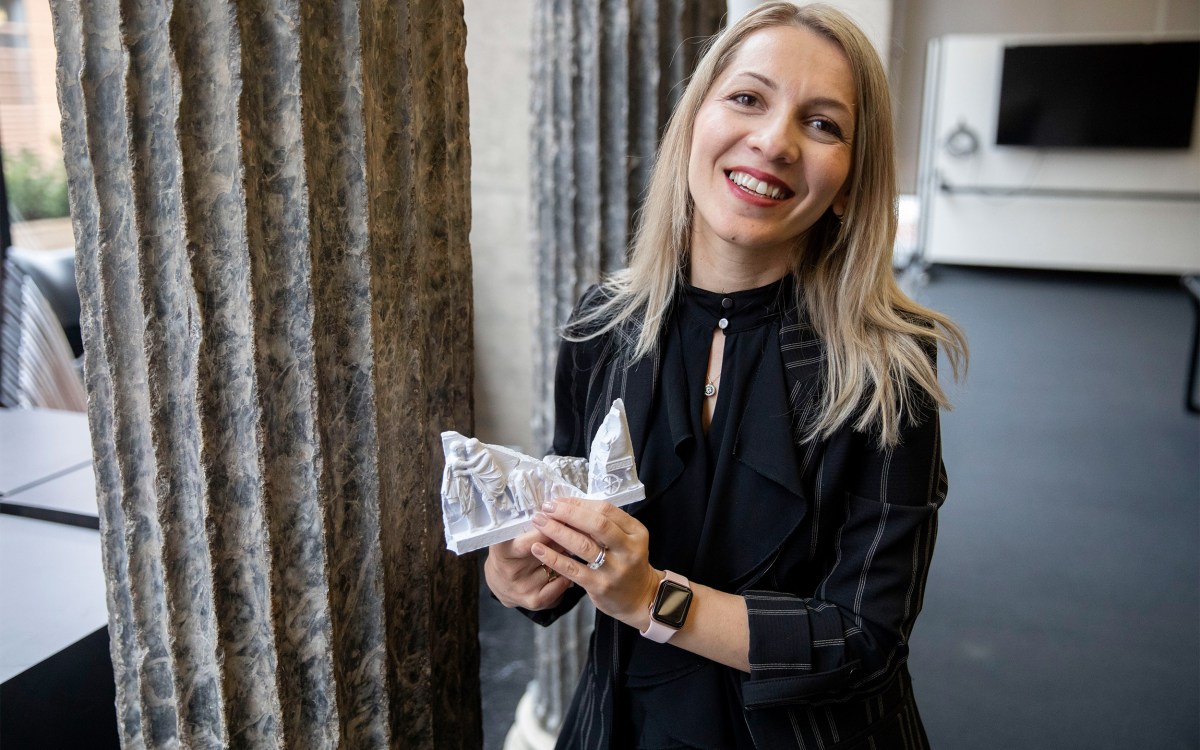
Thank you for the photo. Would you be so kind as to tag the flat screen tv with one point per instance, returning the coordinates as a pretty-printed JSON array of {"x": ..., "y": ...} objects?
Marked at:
[{"x": 1139, "y": 95}]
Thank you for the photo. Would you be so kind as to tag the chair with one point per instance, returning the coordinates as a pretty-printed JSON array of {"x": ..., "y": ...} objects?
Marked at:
[{"x": 37, "y": 366}]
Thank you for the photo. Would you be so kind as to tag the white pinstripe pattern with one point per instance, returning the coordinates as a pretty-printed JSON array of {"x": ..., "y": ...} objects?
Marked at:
[
  {"x": 812, "y": 722},
  {"x": 796, "y": 728},
  {"x": 833, "y": 730},
  {"x": 883, "y": 475},
  {"x": 816, "y": 523},
  {"x": 802, "y": 667},
  {"x": 934, "y": 469},
  {"x": 805, "y": 362},
  {"x": 822, "y": 643},
  {"x": 862, "y": 581},
  {"x": 837, "y": 546}
]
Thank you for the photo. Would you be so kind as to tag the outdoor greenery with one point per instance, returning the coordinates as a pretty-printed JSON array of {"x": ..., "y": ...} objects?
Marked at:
[{"x": 35, "y": 190}]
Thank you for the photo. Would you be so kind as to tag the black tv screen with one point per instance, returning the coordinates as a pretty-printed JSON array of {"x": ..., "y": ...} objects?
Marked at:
[{"x": 1140, "y": 95}]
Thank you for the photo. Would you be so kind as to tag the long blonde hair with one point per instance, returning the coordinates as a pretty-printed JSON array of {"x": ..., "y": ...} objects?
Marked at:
[{"x": 876, "y": 339}]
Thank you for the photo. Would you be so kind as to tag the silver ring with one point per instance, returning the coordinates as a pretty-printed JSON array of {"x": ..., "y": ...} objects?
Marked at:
[{"x": 595, "y": 564}]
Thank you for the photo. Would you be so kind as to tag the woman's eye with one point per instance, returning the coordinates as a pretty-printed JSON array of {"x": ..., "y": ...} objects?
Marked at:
[
  {"x": 828, "y": 126},
  {"x": 746, "y": 100}
]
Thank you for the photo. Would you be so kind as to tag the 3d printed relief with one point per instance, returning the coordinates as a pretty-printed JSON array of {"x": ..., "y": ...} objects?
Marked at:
[{"x": 490, "y": 493}]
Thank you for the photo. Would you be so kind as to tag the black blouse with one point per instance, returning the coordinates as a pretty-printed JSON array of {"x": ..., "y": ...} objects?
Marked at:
[{"x": 703, "y": 710}]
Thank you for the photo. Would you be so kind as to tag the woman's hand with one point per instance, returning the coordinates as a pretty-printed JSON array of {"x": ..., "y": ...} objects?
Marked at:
[
  {"x": 518, "y": 579},
  {"x": 623, "y": 586}
]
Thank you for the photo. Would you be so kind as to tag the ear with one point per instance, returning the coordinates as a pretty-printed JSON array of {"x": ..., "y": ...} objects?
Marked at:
[{"x": 840, "y": 201}]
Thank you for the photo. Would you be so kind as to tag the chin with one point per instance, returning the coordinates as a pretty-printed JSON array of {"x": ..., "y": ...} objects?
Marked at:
[{"x": 750, "y": 242}]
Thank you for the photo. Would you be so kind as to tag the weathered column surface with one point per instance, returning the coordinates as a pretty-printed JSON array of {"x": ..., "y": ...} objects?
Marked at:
[
  {"x": 606, "y": 75},
  {"x": 271, "y": 215}
]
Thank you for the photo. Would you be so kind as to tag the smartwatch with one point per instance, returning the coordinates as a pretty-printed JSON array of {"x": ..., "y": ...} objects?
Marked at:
[{"x": 670, "y": 608}]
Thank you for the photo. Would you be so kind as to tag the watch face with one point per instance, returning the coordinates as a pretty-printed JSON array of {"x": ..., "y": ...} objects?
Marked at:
[{"x": 671, "y": 605}]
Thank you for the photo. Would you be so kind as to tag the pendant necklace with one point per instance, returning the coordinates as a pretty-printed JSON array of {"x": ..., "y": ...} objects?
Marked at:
[{"x": 710, "y": 387}]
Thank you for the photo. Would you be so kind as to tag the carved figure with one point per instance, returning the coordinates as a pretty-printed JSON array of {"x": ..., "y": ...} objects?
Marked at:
[
  {"x": 528, "y": 487},
  {"x": 456, "y": 483},
  {"x": 472, "y": 460},
  {"x": 572, "y": 469}
]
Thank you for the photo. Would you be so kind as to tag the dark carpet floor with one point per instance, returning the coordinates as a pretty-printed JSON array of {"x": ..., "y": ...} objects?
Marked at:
[{"x": 1063, "y": 609}]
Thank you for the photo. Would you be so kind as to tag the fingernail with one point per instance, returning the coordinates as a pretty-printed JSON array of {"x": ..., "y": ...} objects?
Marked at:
[
  {"x": 539, "y": 519},
  {"x": 538, "y": 549},
  {"x": 549, "y": 506}
]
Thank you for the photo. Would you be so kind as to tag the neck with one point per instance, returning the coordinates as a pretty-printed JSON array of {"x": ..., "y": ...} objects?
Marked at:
[{"x": 733, "y": 269}]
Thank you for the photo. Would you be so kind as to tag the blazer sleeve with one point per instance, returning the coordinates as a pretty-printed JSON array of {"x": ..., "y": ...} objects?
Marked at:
[{"x": 850, "y": 637}]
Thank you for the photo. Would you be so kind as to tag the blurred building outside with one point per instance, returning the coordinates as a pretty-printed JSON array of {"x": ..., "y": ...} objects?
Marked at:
[{"x": 29, "y": 128}]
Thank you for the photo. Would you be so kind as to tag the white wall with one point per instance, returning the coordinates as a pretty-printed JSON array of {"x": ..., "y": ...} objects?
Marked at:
[
  {"x": 498, "y": 39},
  {"x": 1117, "y": 219},
  {"x": 918, "y": 21}
]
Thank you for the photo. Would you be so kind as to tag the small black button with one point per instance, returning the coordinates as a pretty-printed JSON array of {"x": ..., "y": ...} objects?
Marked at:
[{"x": 726, "y": 303}]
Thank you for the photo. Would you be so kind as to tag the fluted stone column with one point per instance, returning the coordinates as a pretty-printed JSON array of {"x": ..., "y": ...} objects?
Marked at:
[
  {"x": 271, "y": 215},
  {"x": 606, "y": 75}
]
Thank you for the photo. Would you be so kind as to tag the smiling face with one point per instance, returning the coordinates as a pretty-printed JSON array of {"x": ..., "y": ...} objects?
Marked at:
[{"x": 770, "y": 148}]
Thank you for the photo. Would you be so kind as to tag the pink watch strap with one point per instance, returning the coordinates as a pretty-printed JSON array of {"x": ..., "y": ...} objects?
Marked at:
[{"x": 657, "y": 631}]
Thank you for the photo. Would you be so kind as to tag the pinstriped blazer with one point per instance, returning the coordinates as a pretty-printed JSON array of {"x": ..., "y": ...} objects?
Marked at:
[{"x": 830, "y": 549}]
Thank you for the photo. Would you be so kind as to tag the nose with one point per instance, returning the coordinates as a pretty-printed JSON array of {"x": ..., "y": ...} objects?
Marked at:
[{"x": 777, "y": 138}]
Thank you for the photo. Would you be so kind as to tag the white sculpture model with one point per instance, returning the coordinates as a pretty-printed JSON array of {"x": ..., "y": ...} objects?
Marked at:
[{"x": 490, "y": 493}]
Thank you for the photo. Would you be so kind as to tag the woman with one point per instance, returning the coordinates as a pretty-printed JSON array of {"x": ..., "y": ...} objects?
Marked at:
[{"x": 783, "y": 404}]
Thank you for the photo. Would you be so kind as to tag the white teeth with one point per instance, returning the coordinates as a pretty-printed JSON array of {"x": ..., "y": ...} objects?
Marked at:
[{"x": 755, "y": 185}]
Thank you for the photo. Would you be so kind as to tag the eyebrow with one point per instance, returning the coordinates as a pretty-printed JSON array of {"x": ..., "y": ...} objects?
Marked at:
[
  {"x": 765, "y": 81},
  {"x": 820, "y": 101}
]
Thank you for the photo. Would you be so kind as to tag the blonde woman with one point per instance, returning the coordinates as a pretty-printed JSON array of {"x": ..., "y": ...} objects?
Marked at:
[{"x": 783, "y": 404}]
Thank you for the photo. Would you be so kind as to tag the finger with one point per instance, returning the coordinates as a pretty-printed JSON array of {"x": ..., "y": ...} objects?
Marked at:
[
  {"x": 550, "y": 576},
  {"x": 518, "y": 548},
  {"x": 570, "y": 540},
  {"x": 515, "y": 578},
  {"x": 523, "y": 582},
  {"x": 568, "y": 567},
  {"x": 549, "y": 593},
  {"x": 619, "y": 518},
  {"x": 591, "y": 519}
]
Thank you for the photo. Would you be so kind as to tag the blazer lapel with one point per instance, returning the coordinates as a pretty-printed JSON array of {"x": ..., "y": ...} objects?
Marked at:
[{"x": 803, "y": 357}]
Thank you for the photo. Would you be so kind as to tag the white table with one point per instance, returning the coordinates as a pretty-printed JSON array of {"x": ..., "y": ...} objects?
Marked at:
[
  {"x": 56, "y": 679},
  {"x": 39, "y": 444},
  {"x": 51, "y": 576},
  {"x": 46, "y": 467},
  {"x": 64, "y": 498},
  {"x": 51, "y": 590}
]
